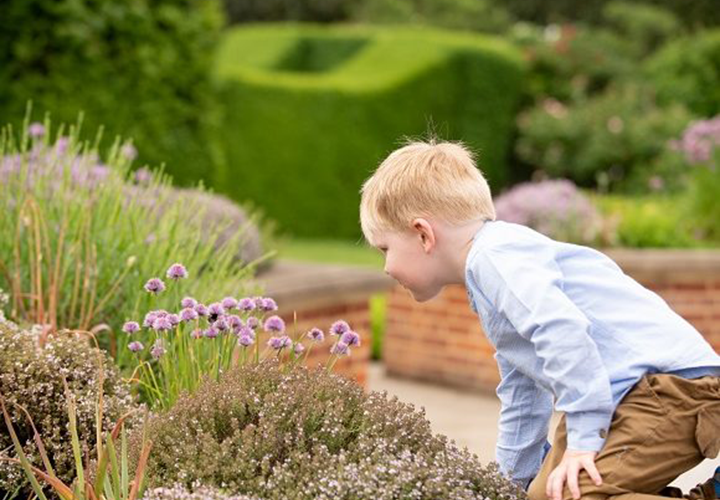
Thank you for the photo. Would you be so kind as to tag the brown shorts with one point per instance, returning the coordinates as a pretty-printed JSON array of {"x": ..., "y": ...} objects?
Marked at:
[{"x": 664, "y": 426}]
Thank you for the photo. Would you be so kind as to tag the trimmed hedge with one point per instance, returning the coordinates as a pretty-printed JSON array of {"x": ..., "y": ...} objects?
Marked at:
[
  {"x": 311, "y": 111},
  {"x": 140, "y": 68}
]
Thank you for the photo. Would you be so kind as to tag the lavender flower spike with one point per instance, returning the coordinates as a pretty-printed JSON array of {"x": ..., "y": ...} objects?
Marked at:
[
  {"x": 155, "y": 286},
  {"x": 36, "y": 130},
  {"x": 177, "y": 271},
  {"x": 339, "y": 327},
  {"x": 131, "y": 327},
  {"x": 274, "y": 324},
  {"x": 135, "y": 346}
]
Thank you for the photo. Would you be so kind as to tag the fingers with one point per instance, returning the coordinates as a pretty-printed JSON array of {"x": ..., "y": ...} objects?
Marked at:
[
  {"x": 592, "y": 471},
  {"x": 556, "y": 483},
  {"x": 572, "y": 479}
]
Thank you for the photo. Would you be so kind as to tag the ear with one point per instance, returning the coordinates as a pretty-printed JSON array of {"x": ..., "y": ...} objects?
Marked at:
[{"x": 425, "y": 232}]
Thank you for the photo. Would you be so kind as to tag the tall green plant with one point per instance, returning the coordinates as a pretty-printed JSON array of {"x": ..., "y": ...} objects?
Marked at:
[{"x": 79, "y": 232}]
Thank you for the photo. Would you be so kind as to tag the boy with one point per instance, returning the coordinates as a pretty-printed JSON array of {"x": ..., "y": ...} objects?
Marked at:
[{"x": 639, "y": 387}]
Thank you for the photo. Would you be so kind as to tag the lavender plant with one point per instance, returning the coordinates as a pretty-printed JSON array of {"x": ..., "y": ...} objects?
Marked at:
[
  {"x": 267, "y": 433},
  {"x": 79, "y": 231},
  {"x": 555, "y": 208},
  {"x": 700, "y": 147},
  {"x": 198, "y": 340}
]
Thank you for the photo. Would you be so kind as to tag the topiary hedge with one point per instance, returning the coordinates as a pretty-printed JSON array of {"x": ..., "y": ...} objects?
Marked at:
[
  {"x": 140, "y": 68},
  {"x": 309, "y": 111}
]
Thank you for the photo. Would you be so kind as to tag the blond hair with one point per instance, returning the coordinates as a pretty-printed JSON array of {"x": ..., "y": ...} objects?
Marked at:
[{"x": 424, "y": 179}]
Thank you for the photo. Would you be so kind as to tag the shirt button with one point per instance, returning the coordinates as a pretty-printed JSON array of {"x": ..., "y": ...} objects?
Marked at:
[{"x": 603, "y": 433}]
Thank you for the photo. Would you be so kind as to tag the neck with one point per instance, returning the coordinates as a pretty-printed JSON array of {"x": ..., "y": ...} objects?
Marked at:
[{"x": 456, "y": 246}]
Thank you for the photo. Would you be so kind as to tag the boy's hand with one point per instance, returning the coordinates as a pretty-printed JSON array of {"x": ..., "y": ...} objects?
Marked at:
[{"x": 569, "y": 468}]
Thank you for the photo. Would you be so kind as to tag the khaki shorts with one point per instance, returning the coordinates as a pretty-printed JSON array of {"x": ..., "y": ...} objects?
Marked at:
[{"x": 664, "y": 426}]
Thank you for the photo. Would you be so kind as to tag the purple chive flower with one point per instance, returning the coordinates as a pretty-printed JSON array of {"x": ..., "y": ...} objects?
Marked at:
[
  {"x": 177, "y": 271},
  {"x": 246, "y": 331},
  {"x": 135, "y": 346},
  {"x": 350, "y": 338},
  {"x": 149, "y": 318},
  {"x": 36, "y": 130},
  {"x": 174, "y": 319},
  {"x": 339, "y": 327},
  {"x": 299, "y": 348},
  {"x": 155, "y": 285},
  {"x": 229, "y": 303},
  {"x": 259, "y": 301},
  {"x": 211, "y": 332},
  {"x": 197, "y": 333},
  {"x": 215, "y": 310},
  {"x": 202, "y": 310},
  {"x": 188, "y": 314},
  {"x": 274, "y": 324},
  {"x": 279, "y": 343},
  {"x": 162, "y": 324},
  {"x": 128, "y": 151},
  {"x": 252, "y": 322},
  {"x": 61, "y": 145},
  {"x": 131, "y": 327},
  {"x": 221, "y": 324},
  {"x": 269, "y": 304},
  {"x": 340, "y": 348},
  {"x": 157, "y": 350},
  {"x": 235, "y": 322},
  {"x": 246, "y": 304},
  {"x": 316, "y": 334},
  {"x": 188, "y": 302},
  {"x": 246, "y": 340}
]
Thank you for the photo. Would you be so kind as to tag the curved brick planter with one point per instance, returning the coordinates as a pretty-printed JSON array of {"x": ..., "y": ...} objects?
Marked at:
[
  {"x": 320, "y": 294},
  {"x": 442, "y": 340}
]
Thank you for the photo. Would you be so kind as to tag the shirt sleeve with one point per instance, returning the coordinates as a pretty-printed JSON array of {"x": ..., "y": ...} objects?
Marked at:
[
  {"x": 524, "y": 283},
  {"x": 525, "y": 414}
]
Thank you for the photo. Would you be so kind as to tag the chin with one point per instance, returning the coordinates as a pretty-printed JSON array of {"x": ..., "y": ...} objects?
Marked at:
[{"x": 425, "y": 296}]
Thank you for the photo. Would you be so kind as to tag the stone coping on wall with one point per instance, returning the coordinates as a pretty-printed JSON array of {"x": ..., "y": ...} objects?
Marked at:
[
  {"x": 295, "y": 284},
  {"x": 667, "y": 265}
]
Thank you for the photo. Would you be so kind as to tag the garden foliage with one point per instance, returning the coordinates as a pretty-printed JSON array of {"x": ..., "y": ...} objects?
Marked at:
[{"x": 311, "y": 111}]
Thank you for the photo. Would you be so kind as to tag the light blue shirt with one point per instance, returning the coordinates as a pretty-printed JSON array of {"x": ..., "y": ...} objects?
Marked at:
[{"x": 570, "y": 329}]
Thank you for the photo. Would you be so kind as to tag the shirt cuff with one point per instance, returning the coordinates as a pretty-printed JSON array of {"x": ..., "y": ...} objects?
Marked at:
[{"x": 587, "y": 430}]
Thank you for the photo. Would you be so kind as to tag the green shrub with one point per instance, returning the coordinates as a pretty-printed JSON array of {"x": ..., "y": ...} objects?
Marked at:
[
  {"x": 80, "y": 234},
  {"x": 311, "y": 435},
  {"x": 615, "y": 140},
  {"x": 140, "y": 68},
  {"x": 32, "y": 376},
  {"x": 243, "y": 11},
  {"x": 688, "y": 71},
  {"x": 694, "y": 13},
  {"x": 648, "y": 222},
  {"x": 302, "y": 141},
  {"x": 474, "y": 15},
  {"x": 646, "y": 27}
]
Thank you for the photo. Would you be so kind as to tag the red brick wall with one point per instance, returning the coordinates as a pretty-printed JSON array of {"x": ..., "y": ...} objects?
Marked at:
[{"x": 442, "y": 340}]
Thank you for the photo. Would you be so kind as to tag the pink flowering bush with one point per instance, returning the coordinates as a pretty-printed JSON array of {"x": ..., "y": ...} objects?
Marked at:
[
  {"x": 267, "y": 433},
  {"x": 555, "y": 208},
  {"x": 700, "y": 147}
]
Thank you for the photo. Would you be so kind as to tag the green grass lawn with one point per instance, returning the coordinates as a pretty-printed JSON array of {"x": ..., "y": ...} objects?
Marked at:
[{"x": 343, "y": 252}]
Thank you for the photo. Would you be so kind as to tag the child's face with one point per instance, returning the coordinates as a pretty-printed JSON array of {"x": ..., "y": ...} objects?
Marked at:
[{"x": 409, "y": 260}]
